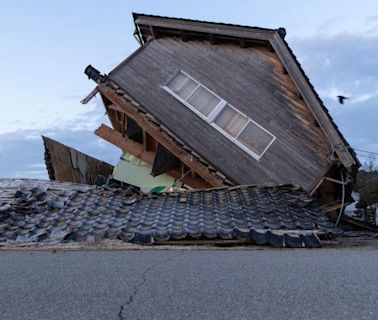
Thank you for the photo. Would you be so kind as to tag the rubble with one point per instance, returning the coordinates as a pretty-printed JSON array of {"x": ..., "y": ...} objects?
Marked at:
[{"x": 54, "y": 212}]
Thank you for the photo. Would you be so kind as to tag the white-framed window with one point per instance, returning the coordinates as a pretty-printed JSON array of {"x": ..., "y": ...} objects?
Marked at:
[{"x": 243, "y": 131}]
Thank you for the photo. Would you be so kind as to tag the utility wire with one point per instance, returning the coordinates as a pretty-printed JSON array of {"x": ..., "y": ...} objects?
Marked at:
[
  {"x": 371, "y": 152},
  {"x": 362, "y": 155},
  {"x": 360, "y": 150}
]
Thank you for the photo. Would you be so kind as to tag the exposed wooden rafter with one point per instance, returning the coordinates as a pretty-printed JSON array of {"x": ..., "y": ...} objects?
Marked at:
[
  {"x": 124, "y": 143},
  {"x": 160, "y": 136},
  {"x": 137, "y": 150}
]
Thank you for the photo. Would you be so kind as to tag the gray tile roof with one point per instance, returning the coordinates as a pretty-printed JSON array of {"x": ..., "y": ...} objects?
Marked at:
[{"x": 35, "y": 210}]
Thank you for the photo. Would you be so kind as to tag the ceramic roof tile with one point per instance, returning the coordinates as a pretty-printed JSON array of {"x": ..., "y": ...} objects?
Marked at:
[{"x": 46, "y": 211}]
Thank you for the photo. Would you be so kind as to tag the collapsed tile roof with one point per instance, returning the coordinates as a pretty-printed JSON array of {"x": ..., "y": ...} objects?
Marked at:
[{"x": 46, "y": 211}]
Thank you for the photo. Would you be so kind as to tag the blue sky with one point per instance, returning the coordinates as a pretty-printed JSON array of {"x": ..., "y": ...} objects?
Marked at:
[{"x": 45, "y": 46}]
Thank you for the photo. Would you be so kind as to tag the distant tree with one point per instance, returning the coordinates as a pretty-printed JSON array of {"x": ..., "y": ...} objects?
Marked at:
[
  {"x": 367, "y": 174},
  {"x": 368, "y": 195},
  {"x": 367, "y": 186},
  {"x": 370, "y": 164}
]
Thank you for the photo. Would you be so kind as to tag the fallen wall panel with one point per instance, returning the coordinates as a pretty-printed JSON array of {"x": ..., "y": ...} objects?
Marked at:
[{"x": 64, "y": 163}]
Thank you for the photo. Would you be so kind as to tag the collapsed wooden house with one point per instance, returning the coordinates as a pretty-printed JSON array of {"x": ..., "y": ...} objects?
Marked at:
[{"x": 214, "y": 104}]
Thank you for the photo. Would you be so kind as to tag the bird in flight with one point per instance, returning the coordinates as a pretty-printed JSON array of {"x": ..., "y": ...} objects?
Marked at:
[{"x": 341, "y": 99}]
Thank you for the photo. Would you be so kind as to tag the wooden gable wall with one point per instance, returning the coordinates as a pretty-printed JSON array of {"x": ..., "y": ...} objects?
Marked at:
[{"x": 254, "y": 81}]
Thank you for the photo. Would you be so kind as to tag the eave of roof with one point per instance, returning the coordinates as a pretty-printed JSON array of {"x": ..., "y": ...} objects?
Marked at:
[
  {"x": 326, "y": 111},
  {"x": 153, "y": 20}
]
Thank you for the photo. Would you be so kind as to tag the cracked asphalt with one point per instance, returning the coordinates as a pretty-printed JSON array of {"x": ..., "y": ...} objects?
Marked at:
[{"x": 189, "y": 284}]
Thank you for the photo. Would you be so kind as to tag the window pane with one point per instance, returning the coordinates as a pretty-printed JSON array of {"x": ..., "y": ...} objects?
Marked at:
[
  {"x": 182, "y": 85},
  {"x": 255, "y": 138},
  {"x": 203, "y": 100},
  {"x": 230, "y": 121}
]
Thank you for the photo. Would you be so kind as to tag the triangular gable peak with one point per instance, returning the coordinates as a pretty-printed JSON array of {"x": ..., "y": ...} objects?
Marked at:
[{"x": 152, "y": 27}]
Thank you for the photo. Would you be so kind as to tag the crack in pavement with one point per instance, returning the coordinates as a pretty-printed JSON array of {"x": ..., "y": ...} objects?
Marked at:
[{"x": 142, "y": 283}]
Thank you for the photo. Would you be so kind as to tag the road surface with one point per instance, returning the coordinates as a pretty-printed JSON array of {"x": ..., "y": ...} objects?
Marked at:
[{"x": 190, "y": 284}]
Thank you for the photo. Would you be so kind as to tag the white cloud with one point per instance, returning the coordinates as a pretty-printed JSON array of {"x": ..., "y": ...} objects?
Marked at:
[
  {"x": 32, "y": 136},
  {"x": 37, "y": 165},
  {"x": 64, "y": 114},
  {"x": 362, "y": 98},
  {"x": 345, "y": 64}
]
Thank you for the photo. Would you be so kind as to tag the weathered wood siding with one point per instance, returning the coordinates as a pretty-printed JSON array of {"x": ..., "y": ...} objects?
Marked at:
[
  {"x": 67, "y": 164},
  {"x": 252, "y": 80}
]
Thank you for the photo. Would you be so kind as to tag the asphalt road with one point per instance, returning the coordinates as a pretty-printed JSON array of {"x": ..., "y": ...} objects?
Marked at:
[{"x": 195, "y": 284}]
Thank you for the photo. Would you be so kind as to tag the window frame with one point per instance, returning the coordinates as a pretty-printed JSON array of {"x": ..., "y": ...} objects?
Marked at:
[{"x": 215, "y": 112}]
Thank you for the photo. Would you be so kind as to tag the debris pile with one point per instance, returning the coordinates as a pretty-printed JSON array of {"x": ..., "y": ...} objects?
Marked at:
[{"x": 52, "y": 212}]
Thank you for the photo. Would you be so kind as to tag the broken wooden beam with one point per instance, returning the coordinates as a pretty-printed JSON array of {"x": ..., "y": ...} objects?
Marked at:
[
  {"x": 124, "y": 143},
  {"x": 137, "y": 150},
  {"x": 160, "y": 136}
]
